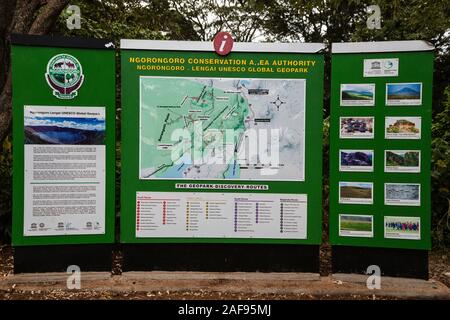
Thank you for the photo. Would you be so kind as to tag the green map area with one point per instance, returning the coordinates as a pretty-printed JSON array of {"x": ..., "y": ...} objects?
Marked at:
[{"x": 171, "y": 107}]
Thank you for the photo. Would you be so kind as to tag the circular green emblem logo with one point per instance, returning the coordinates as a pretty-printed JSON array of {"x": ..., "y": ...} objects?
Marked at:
[{"x": 64, "y": 75}]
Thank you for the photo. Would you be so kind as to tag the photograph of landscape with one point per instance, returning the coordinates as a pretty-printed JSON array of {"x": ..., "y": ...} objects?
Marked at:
[
  {"x": 355, "y": 225},
  {"x": 358, "y": 94},
  {"x": 64, "y": 130},
  {"x": 402, "y": 161},
  {"x": 356, "y": 127},
  {"x": 407, "y": 194},
  {"x": 402, "y": 227},
  {"x": 403, "y": 94},
  {"x": 356, "y": 192},
  {"x": 403, "y": 127},
  {"x": 356, "y": 160}
]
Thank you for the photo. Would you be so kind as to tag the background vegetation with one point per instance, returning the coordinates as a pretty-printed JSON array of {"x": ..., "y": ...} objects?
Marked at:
[{"x": 271, "y": 20}]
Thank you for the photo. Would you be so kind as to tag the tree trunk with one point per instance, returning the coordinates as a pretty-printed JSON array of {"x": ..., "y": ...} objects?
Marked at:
[
  {"x": 6, "y": 14},
  {"x": 20, "y": 16}
]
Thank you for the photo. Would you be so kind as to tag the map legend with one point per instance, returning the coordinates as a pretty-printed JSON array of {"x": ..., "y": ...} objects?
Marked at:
[
  {"x": 207, "y": 214},
  {"x": 164, "y": 212},
  {"x": 281, "y": 218},
  {"x": 138, "y": 210}
]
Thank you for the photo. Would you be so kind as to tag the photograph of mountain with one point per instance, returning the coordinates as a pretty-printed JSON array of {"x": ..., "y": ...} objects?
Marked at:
[
  {"x": 357, "y": 94},
  {"x": 403, "y": 94},
  {"x": 356, "y": 160},
  {"x": 64, "y": 130}
]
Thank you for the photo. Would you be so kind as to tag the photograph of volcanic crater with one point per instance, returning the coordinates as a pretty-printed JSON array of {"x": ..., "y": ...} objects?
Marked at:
[{"x": 64, "y": 130}]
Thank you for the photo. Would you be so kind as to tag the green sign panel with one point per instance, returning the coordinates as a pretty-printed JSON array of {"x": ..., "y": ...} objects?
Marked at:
[
  {"x": 63, "y": 141},
  {"x": 381, "y": 97},
  {"x": 221, "y": 148}
]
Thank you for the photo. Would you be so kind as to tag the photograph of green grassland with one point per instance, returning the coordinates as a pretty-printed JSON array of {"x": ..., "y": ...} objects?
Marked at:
[
  {"x": 355, "y": 190},
  {"x": 355, "y": 225}
]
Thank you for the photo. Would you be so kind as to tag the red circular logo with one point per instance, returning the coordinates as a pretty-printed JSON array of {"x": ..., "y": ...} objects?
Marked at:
[{"x": 223, "y": 43}]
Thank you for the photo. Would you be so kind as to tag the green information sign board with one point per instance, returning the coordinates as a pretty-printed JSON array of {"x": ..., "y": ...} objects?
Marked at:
[
  {"x": 381, "y": 97},
  {"x": 221, "y": 149},
  {"x": 63, "y": 142}
]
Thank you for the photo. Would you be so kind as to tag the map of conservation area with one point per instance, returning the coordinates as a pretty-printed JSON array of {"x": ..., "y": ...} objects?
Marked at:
[{"x": 222, "y": 128}]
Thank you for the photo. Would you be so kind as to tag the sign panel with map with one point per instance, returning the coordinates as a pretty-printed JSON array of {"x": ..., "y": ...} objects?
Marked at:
[{"x": 221, "y": 148}]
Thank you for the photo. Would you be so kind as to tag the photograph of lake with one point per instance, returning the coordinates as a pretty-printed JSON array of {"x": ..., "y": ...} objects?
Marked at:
[
  {"x": 403, "y": 94},
  {"x": 358, "y": 94},
  {"x": 64, "y": 130}
]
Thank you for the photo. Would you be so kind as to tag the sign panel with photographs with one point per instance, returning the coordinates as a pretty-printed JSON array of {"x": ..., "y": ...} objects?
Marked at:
[
  {"x": 63, "y": 141},
  {"x": 380, "y": 136}
]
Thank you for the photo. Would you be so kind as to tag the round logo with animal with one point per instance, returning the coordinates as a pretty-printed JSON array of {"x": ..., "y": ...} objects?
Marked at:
[{"x": 64, "y": 75}]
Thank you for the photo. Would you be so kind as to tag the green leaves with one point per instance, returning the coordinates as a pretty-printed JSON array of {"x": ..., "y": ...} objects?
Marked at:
[
  {"x": 5, "y": 190},
  {"x": 117, "y": 19},
  {"x": 440, "y": 174}
]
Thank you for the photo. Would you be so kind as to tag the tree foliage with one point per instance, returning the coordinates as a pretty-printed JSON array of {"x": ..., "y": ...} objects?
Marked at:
[
  {"x": 440, "y": 174},
  {"x": 26, "y": 17},
  {"x": 20, "y": 16},
  {"x": 417, "y": 20},
  {"x": 128, "y": 19},
  {"x": 242, "y": 18}
]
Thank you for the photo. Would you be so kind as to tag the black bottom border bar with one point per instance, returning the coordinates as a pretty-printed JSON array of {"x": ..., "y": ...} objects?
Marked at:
[
  {"x": 57, "y": 258},
  {"x": 221, "y": 257}
]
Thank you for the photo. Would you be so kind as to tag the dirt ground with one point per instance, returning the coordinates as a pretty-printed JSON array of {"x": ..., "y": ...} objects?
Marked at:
[{"x": 439, "y": 265}]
